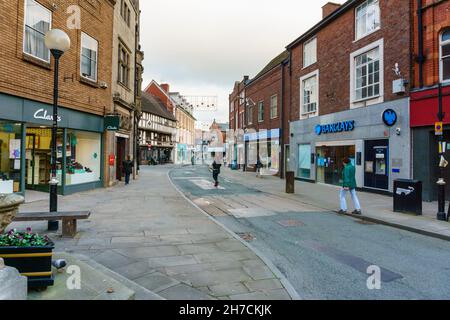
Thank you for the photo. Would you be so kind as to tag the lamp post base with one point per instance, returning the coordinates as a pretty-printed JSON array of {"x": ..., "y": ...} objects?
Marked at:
[{"x": 53, "y": 225}]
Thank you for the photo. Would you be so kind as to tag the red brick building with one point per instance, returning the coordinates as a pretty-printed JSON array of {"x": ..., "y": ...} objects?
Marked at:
[{"x": 431, "y": 67}]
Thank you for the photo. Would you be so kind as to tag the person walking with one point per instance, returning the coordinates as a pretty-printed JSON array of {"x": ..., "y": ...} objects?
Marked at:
[
  {"x": 349, "y": 185},
  {"x": 258, "y": 167},
  {"x": 128, "y": 166},
  {"x": 216, "y": 171}
]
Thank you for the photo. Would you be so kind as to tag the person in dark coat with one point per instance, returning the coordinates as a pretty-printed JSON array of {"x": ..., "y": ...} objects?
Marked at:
[
  {"x": 128, "y": 166},
  {"x": 216, "y": 171}
]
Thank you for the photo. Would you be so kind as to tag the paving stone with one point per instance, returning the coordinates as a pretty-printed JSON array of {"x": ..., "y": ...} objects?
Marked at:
[
  {"x": 184, "y": 292},
  {"x": 211, "y": 278},
  {"x": 172, "y": 261},
  {"x": 112, "y": 259},
  {"x": 198, "y": 248},
  {"x": 135, "y": 270},
  {"x": 253, "y": 296},
  {"x": 261, "y": 285},
  {"x": 225, "y": 256},
  {"x": 116, "y": 240},
  {"x": 228, "y": 289},
  {"x": 231, "y": 245},
  {"x": 253, "y": 263},
  {"x": 259, "y": 273},
  {"x": 156, "y": 282},
  {"x": 278, "y": 294},
  {"x": 150, "y": 252}
]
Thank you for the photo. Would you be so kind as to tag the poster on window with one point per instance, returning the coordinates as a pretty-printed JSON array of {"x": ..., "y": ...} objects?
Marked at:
[
  {"x": 14, "y": 149},
  {"x": 275, "y": 152}
]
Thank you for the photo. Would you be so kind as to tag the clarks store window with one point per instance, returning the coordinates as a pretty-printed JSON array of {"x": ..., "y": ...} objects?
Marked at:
[{"x": 10, "y": 157}]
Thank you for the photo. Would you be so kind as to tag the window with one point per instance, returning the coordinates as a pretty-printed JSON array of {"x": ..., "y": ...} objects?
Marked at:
[
  {"x": 232, "y": 107},
  {"x": 37, "y": 23},
  {"x": 261, "y": 111},
  {"x": 124, "y": 66},
  {"x": 274, "y": 107},
  {"x": 250, "y": 115},
  {"x": 304, "y": 161},
  {"x": 125, "y": 12},
  {"x": 367, "y": 77},
  {"x": 367, "y": 18},
  {"x": 445, "y": 56},
  {"x": 89, "y": 49},
  {"x": 309, "y": 94},
  {"x": 310, "y": 52}
]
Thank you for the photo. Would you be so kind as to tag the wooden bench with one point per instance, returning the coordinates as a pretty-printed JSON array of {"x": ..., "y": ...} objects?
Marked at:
[{"x": 69, "y": 219}]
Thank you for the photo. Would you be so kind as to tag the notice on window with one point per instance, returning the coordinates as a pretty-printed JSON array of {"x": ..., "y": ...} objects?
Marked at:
[{"x": 14, "y": 149}]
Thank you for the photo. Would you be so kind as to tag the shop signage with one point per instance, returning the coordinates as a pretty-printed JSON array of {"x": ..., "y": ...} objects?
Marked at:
[
  {"x": 390, "y": 117},
  {"x": 112, "y": 160},
  {"x": 42, "y": 114},
  {"x": 112, "y": 123},
  {"x": 344, "y": 126},
  {"x": 439, "y": 128}
]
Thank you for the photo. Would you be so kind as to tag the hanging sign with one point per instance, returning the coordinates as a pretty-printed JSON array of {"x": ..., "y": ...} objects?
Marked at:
[
  {"x": 112, "y": 123},
  {"x": 390, "y": 117},
  {"x": 112, "y": 160},
  {"x": 439, "y": 128}
]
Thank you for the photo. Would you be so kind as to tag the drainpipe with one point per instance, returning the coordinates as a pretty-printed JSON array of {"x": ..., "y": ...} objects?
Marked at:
[
  {"x": 282, "y": 155},
  {"x": 421, "y": 57}
]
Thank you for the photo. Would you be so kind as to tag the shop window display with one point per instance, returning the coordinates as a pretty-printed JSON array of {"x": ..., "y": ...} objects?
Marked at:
[
  {"x": 83, "y": 157},
  {"x": 10, "y": 156},
  {"x": 304, "y": 161}
]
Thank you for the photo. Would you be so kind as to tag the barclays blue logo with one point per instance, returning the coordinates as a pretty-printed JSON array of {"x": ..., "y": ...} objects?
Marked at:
[
  {"x": 318, "y": 129},
  {"x": 390, "y": 117},
  {"x": 344, "y": 126}
]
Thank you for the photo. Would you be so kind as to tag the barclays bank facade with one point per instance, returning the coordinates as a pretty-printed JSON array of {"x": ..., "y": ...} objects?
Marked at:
[{"x": 376, "y": 139}]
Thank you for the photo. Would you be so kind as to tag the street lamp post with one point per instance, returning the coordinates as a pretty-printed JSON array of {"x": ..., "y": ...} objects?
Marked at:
[{"x": 58, "y": 42}]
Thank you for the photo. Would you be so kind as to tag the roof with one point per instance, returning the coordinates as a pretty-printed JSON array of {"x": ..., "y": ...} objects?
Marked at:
[
  {"x": 272, "y": 64},
  {"x": 311, "y": 32},
  {"x": 153, "y": 105}
]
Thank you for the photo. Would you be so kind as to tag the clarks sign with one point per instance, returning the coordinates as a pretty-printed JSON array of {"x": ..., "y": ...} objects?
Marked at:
[{"x": 42, "y": 114}]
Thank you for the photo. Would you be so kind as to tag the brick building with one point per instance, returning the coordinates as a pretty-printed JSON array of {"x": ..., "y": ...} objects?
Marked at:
[
  {"x": 431, "y": 67},
  {"x": 349, "y": 97},
  {"x": 26, "y": 87}
]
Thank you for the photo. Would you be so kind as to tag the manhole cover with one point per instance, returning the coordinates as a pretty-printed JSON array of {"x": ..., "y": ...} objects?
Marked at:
[
  {"x": 246, "y": 236},
  {"x": 291, "y": 223},
  {"x": 363, "y": 222}
]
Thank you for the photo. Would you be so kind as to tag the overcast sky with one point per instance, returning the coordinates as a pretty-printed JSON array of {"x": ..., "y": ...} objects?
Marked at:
[{"x": 201, "y": 47}]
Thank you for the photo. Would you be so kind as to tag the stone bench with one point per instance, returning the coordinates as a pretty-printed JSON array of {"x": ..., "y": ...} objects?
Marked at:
[{"x": 69, "y": 219}]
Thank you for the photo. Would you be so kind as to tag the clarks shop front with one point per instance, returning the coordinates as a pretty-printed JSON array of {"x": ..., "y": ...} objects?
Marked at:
[
  {"x": 376, "y": 139},
  {"x": 25, "y": 147}
]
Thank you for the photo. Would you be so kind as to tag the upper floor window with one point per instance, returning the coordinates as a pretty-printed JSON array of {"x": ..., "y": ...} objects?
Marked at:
[
  {"x": 124, "y": 66},
  {"x": 232, "y": 106},
  {"x": 125, "y": 12},
  {"x": 274, "y": 107},
  {"x": 309, "y": 94},
  {"x": 250, "y": 115},
  {"x": 367, "y": 77},
  {"x": 89, "y": 55},
  {"x": 310, "y": 52},
  {"x": 367, "y": 18},
  {"x": 445, "y": 56},
  {"x": 261, "y": 111},
  {"x": 38, "y": 21}
]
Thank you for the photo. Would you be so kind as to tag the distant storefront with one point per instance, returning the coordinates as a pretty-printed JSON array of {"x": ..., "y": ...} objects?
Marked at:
[
  {"x": 376, "y": 139},
  {"x": 25, "y": 147},
  {"x": 264, "y": 145}
]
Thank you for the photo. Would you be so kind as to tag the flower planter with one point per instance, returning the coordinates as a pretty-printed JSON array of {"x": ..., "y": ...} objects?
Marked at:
[{"x": 33, "y": 262}]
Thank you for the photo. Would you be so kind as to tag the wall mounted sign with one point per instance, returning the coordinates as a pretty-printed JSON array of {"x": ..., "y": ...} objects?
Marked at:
[
  {"x": 42, "y": 114},
  {"x": 344, "y": 126},
  {"x": 112, "y": 123},
  {"x": 390, "y": 117}
]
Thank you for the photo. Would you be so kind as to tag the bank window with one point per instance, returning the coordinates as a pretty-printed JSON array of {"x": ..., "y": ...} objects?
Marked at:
[
  {"x": 83, "y": 157},
  {"x": 310, "y": 97},
  {"x": 89, "y": 53},
  {"x": 367, "y": 75},
  {"x": 261, "y": 111},
  {"x": 310, "y": 52},
  {"x": 367, "y": 18},
  {"x": 304, "y": 161},
  {"x": 37, "y": 22},
  {"x": 124, "y": 66},
  {"x": 274, "y": 107},
  {"x": 445, "y": 56}
]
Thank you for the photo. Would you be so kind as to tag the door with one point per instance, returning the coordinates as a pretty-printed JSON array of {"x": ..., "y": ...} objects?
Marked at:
[
  {"x": 121, "y": 143},
  {"x": 376, "y": 167},
  {"x": 30, "y": 171}
]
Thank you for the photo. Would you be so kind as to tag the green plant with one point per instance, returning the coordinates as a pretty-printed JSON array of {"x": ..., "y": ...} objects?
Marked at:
[{"x": 13, "y": 238}]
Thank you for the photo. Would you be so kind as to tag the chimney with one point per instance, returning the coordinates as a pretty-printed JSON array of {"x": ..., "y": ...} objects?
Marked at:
[
  {"x": 165, "y": 87},
  {"x": 329, "y": 8}
]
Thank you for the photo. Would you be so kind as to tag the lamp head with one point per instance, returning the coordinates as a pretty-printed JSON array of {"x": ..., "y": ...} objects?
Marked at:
[{"x": 57, "y": 40}]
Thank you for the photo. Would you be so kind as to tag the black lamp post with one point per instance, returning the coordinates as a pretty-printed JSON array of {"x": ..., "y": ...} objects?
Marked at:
[
  {"x": 58, "y": 42},
  {"x": 441, "y": 215}
]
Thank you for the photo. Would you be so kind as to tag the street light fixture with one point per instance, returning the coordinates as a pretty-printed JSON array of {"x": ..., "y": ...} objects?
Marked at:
[{"x": 58, "y": 42}]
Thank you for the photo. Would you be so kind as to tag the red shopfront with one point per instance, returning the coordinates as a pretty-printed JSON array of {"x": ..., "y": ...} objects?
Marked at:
[{"x": 424, "y": 107}]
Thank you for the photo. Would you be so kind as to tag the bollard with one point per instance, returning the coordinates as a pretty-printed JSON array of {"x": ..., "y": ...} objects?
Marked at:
[{"x": 290, "y": 182}]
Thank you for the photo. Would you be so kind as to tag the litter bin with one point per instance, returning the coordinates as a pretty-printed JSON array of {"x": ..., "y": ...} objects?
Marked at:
[{"x": 408, "y": 196}]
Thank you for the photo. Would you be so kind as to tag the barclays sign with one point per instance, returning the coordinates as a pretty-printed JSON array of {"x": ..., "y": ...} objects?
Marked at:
[{"x": 344, "y": 126}]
